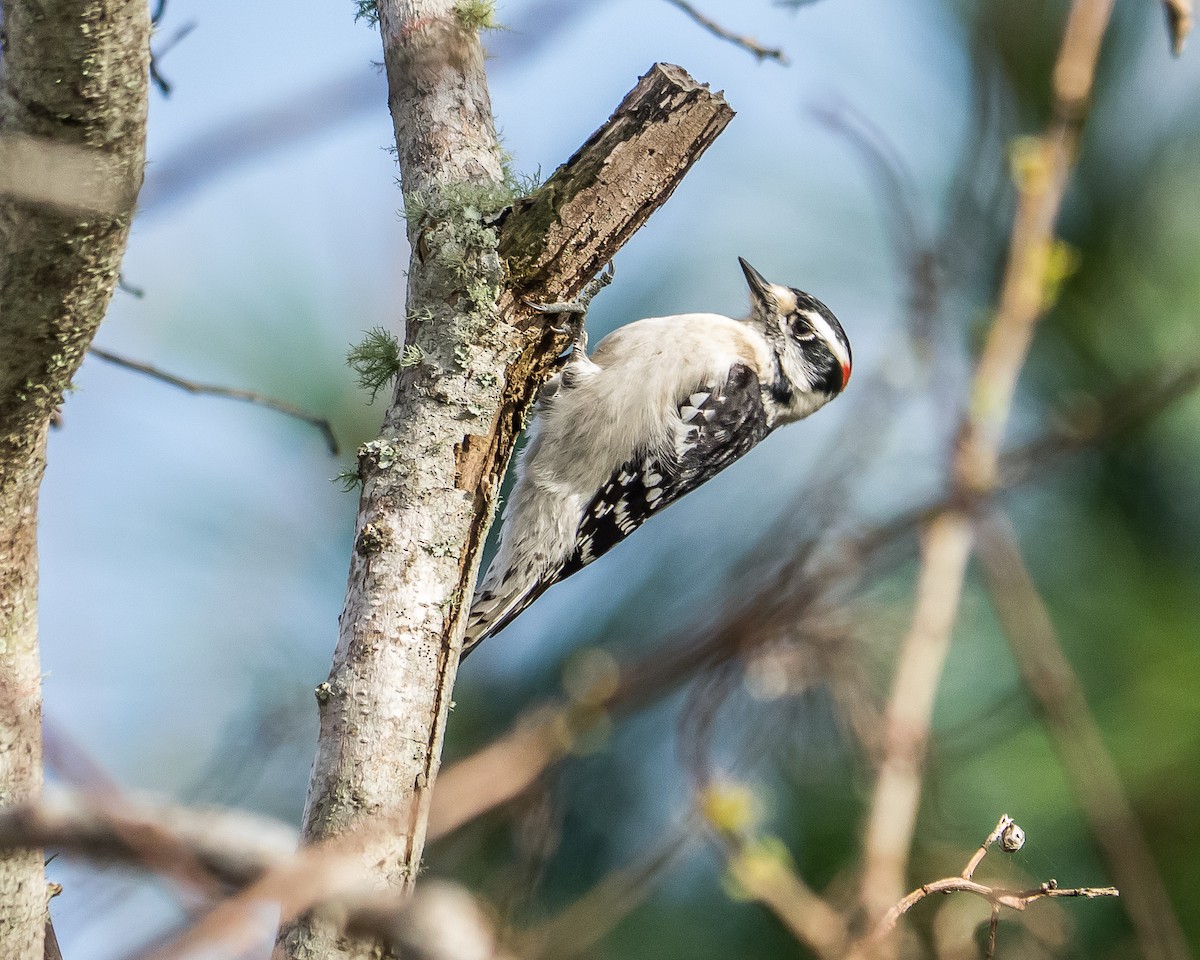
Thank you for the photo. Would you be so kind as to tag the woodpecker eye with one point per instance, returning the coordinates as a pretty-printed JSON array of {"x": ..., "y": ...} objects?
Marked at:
[{"x": 801, "y": 329}]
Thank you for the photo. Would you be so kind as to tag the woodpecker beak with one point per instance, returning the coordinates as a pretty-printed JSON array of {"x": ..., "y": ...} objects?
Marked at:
[{"x": 759, "y": 288}]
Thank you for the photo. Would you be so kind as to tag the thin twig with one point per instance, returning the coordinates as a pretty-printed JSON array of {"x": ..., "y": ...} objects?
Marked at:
[
  {"x": 1012, "y": 838},
  {"x": 993, "y": 926},
  {"x": 214, "y": 390},
  {"x": 1060, "y": 703},
  {"x": 997, "y": 896},
  {"x": 161, "y": 50},
  {"x": 972, "y": 865},
  {"x": 748, "y": 44}
]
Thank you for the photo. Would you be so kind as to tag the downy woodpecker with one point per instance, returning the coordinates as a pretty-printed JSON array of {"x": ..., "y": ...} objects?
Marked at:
[{"x": 660, "y": 407}]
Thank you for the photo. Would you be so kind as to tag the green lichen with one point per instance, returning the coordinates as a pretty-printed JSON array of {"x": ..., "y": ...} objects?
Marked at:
[
  {"x": 382, "y": 451},
  {"x": 378, "y": 359},
  {"x": 366, "y": 10},
  {"x": 348, "y": 479},
  {"x": 476, "y": 15}
]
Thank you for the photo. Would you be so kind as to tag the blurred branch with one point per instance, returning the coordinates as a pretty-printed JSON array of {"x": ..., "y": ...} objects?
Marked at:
[
  {"x": 508, "y": 765},
  {"x": 440, "y": 922},
  {"x": 1179, "y": 22},
  {"x": 1059, "y": 701},
  {"x": 1042, "y": 177},
  {"x": 580, "y": 926},
  {"x": 1092, "y": 422},
  {"x": 748, "y": 44},
  {"x": 214, "y": 390},
  {"x": 232, "y": 846},
  {"x": 762, "y": 868},
  {"x": 946, "y": 545}
]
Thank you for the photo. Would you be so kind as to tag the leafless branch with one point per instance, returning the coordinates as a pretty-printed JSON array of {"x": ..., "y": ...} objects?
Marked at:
[
  {"x": 748, "y": 44},
  {"x": 762, "y": 868},
  {"x": 577, "y": 928},
  {"x": 233, "y": 847},
  {"x": 441, "y": 922},
  {"x": 161, "y": 50},
  {"x": 215, "y": 390},
  {"x": 1011, "y": 839}
]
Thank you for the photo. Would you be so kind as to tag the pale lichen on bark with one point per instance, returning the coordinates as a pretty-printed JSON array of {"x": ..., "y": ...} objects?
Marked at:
[{"x": 73, "y": 85}]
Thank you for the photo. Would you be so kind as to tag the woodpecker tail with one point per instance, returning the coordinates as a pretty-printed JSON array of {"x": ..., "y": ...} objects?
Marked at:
[{"x": 496, "y": 605}]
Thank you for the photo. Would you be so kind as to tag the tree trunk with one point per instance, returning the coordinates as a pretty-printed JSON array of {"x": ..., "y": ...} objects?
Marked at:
[
  {"x": 73, "y": 96},
  {"x": 476, "y": 356}
]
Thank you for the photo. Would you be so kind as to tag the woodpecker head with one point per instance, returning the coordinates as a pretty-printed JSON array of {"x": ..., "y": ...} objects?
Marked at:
[{"x": 811, "y": 346}]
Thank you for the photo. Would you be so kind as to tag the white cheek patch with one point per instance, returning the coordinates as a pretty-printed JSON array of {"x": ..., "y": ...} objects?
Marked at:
[{"x": 826, "y": 333}]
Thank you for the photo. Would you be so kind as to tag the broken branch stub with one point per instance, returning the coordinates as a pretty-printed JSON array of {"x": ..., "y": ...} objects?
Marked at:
[{"x": 555, "y": 240}]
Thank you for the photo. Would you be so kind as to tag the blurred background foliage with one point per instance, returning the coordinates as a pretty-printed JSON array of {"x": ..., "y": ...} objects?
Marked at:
[{"x": 194, "y": 550}]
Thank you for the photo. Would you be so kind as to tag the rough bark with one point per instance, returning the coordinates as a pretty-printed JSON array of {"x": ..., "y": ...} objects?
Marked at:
[
  {"x": 73, "y": 88},
  {"x": 430, "y": 479}
]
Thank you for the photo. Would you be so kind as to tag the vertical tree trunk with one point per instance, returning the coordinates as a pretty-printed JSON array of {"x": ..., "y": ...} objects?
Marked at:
[
  {"x": 422, "y": 513},
  {"x": 73, "y": 95},
  {"x": 430, "y": 479}
]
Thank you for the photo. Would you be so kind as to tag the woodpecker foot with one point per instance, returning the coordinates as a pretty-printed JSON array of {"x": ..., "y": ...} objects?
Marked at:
[{"x": 577, "y": 307}]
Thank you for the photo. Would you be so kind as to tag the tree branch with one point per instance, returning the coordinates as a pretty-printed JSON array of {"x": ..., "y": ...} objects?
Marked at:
[
  {"x": 748, "y": 44},
  {"x": 74, "y": 89},
  {"x": 215, "y": 390},
  {"x": 1011, "y": 838}
]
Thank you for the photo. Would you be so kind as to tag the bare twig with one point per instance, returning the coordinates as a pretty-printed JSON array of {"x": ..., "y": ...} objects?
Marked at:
[
  {"x": 1060, "y": 702},
  {"x": 993, "y": 927},
  {"x": 1011, "y": 839},
  {"x": 1179, "y": 22},
  {"x": 947, "y": 545},
  {"x": 161, "y": 50},
  {"x": 1005, "y": 825},
  {"x": 997, "y": 896},
  {"x": 748, "y": 44},
  {"x": 215, "y": 390}
]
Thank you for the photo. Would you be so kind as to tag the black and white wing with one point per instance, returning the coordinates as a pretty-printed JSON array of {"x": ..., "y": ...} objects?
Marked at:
[{"x": 719, "y": 424}]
